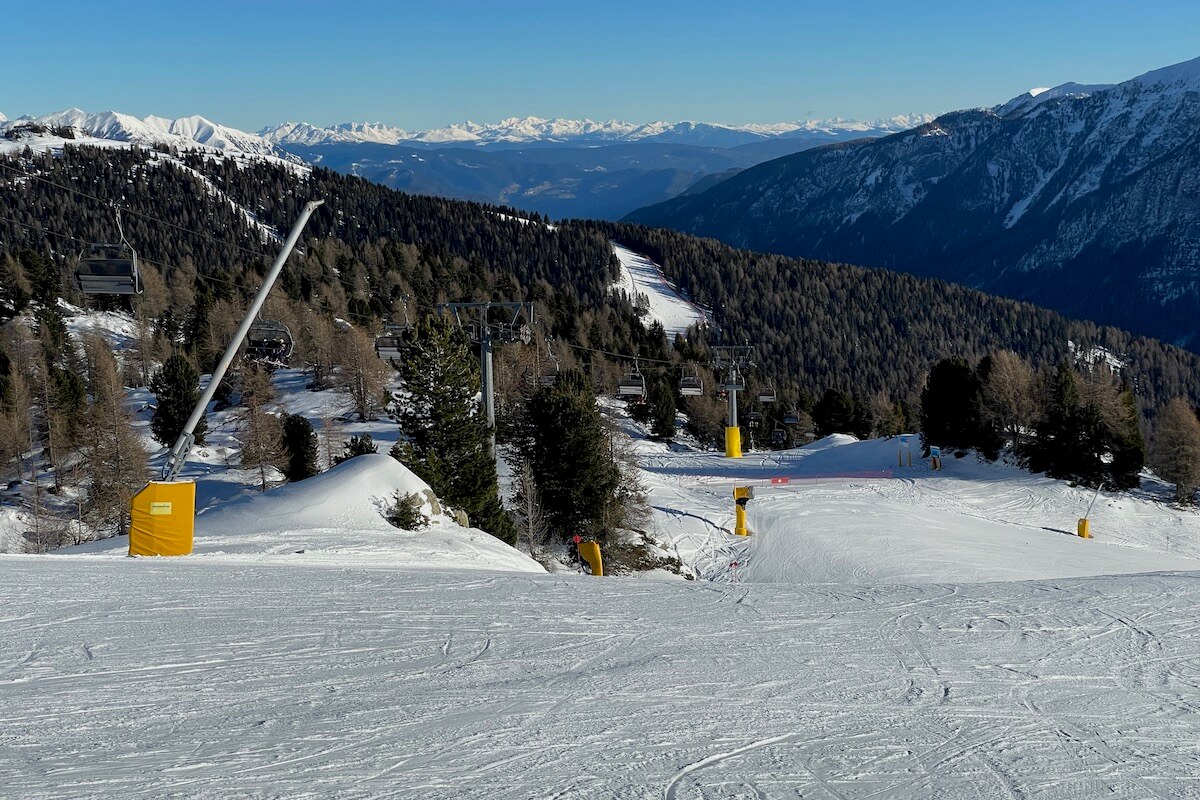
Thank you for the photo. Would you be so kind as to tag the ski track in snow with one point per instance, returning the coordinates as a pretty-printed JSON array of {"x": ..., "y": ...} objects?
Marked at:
[
  {"x": 918, "y": 635},
  {"x": 205, "y": 679}
]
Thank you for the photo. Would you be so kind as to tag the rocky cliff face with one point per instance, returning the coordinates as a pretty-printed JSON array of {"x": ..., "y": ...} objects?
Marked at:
[{"x": 1084, "y": 199}]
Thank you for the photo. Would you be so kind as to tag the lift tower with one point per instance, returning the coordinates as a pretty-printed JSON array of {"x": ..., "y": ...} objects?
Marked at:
[
  {"x": 511, "y": 325},
  {"x": 735, "y": 360}
]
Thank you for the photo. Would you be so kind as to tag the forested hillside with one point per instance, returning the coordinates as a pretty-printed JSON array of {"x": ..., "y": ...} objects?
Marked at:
[{"x": 816, "y": 325}]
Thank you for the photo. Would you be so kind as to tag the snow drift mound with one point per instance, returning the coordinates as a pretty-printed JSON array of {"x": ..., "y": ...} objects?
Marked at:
[{"x": 338, "y": 516}]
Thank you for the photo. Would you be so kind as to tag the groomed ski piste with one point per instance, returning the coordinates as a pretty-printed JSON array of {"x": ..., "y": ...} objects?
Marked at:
[{"x": 885, "y": 632}]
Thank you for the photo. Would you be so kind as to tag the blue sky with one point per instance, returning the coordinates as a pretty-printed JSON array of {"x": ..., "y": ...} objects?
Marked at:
[{"x": 421, "y": 65}]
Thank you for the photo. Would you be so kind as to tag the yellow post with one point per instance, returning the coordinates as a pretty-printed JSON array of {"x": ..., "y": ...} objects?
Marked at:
[
  {"x": 733, "y": 442},
  {"x": 1084, "y": 528},
  {"x": 589, "y": 551},
  {"x": 163, "y": 519},
  {"x": 741, "y": 495}
]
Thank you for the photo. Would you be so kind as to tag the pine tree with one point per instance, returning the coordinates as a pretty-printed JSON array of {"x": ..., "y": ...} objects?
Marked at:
[
  {"x": 662, "y": 405},
  {"x": 116, "y": 460},
  {"x": 258, "y": 431},
  {"x": 1126, "y": 445},
  {"x": 177, "y": 389},
  {"x": 447, "y": 443},
  {"x": 1176, "y": 453},
  {"x": 835, "y": 413},
  {"x": 567, "y": 447},
  {"x": 951, "y": 408},
  {"x": 357, "y": 446},
  {"x": 1058, "y": 447},
  {"x": 300, "y": 448}
]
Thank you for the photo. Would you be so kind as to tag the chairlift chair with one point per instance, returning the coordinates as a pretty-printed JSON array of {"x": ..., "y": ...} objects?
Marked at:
[
  {"x": 691, "y": 385},
  {"x": 109, "y": 268},
  {"x": 389, "y": 343},
  {"x": 735, "y": 383},
  {"x": 778, "y": 436},
  {"x": 755, "y": 418},
  {"x": 270, "y": 341},
  {"x": 766, "y": 394},
  {"x": 633, "y": 384},
  {"x": 791, "y": 418}
]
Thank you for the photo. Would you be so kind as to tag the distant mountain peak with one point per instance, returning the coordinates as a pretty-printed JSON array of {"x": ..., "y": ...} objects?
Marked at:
[{"x": 560, "y": 130}]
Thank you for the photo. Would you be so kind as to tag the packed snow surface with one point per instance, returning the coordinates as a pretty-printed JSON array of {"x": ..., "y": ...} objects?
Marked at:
[
  {"x": 640, "y": 276},
  {"x": 887, "y": 631}
]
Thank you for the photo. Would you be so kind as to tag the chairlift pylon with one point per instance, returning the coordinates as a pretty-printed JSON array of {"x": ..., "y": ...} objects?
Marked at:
[{"x": 109, "y": 268}]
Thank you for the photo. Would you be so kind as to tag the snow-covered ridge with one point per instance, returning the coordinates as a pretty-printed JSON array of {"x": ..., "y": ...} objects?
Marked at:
[
  {"x": 536, "y": 129},
  {"x": 115, "y": 127},
  {"x": 1035, "y": 97}
]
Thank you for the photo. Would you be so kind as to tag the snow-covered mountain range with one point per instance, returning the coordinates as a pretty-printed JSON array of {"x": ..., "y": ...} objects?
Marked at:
[
  {"x": 190, "y": 131},
  {"x": 530, "y": 130},
  {"x": 560, "y": 167},
  {"x": 1084, "y": 199},
  {"x": 114, "y": 128}
]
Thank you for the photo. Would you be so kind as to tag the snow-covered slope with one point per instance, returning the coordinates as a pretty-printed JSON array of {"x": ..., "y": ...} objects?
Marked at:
[
  {"x": 337, "y": 517},
  {"x": 536, "y": 129},
  {"x": 849, "y": 513},
  {"x": 643, "y": 281}
]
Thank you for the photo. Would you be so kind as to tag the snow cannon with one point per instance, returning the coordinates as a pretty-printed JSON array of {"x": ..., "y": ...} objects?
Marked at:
[
  {"x": 741, "y": 496},
  {"x": 162, "y": 519},
  {"x": 589, "y": 551}
]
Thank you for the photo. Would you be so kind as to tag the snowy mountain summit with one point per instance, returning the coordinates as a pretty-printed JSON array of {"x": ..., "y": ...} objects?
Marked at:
[{"x": 151, "y": 131}]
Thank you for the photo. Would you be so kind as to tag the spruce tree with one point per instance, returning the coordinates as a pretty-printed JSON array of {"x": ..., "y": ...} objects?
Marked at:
[
  {"x": 300, "y": 448},
  {"x": 357, "y": 446},
  {"x": 662, "y": 405},
  {"x": 566, "y": 446},
  {"x": 446, "y": 440},
  {"x": 177, "y": 389},
  {"x": 1126, "y": 444}
]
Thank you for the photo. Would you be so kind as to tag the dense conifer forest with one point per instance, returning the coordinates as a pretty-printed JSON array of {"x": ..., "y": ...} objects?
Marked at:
[
  {"x": 816, "y": 325},
  {"x": 846, "y": 349}
]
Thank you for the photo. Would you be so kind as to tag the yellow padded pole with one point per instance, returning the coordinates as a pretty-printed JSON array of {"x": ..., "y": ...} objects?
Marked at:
[
  {"x": 163, "y": 519},
  {"x": 1084, "y": 529},
  {"x": 733, "y": 442}
]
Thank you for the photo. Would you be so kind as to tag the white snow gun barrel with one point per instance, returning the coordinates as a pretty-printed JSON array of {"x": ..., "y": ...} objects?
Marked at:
[{"x": 183, "y": 445}]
